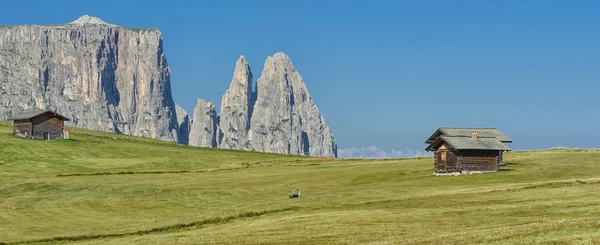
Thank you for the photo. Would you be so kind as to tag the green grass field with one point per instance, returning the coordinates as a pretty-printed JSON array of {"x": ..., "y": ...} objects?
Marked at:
[{"x": 101, "y": 188}]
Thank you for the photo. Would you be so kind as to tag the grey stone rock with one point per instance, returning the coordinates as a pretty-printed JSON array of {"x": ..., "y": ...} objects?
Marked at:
[
  {"x": 204, "y": 130},
  {"x": 109, "y": 78},
  {"x": 236, "y": 107},
  {"x": 102, "y": 76},
  {"x": 86, "y": 19},
  {"x": 183, "y": 121},
  {"x": 285, "y": 119}
]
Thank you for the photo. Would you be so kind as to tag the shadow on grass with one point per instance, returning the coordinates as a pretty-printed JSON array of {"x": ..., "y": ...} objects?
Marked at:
[
  {"x": 506, "y": 166},
  {"x": 70, "y": 140}
]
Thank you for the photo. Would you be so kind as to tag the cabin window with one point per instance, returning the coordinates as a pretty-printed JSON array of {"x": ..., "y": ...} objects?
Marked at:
[{"x": 443, "y": 156}]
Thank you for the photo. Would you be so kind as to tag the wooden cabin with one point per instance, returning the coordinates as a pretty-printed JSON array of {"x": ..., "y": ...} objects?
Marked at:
[
  {"x": 46, "y": 125},
  {"x": 460, "y": 150}
]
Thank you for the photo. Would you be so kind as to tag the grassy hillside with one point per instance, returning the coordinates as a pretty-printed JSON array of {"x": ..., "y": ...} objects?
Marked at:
[{"x": 102, "y": 188}]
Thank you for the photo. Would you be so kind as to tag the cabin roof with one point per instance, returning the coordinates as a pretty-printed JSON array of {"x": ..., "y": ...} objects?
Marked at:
[
  {"x": 32, "y": 114},
  {"x": 464, "y": 143},
  {"x": 466, "y": 132}
]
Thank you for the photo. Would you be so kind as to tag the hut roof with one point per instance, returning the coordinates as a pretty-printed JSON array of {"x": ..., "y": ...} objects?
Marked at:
[
  {"x": 466, "y": 132},
  {"x": 32, "y": 114},
  {"x": 464, "y": 143}
]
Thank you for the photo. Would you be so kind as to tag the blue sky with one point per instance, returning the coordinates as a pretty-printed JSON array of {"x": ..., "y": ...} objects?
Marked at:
[{"x": 386, "y": 74}]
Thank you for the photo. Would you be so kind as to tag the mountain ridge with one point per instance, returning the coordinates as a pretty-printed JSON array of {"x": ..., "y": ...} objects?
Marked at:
[
  {"x": 274, "y": 114},
  {"x": 111, "y": 78}
]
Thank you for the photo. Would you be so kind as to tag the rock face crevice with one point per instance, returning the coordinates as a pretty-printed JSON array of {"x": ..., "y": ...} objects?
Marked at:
[
  {"x": 184, "y": 125},
  {"x": 102, "y": 76}
]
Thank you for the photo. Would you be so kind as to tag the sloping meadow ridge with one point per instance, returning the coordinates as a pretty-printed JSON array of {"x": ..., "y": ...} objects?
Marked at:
[{"x": 104, "y": 188}]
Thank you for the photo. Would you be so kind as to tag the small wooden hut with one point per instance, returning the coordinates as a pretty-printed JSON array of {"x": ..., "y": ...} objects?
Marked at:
[
  {"x": 46, "y": 125},
  {"x": 459, "y": 150}
]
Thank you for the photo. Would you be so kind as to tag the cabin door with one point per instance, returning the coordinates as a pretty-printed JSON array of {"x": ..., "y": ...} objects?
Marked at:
[
  {"x": 440, "y": 162},
  {"x": 443, "y": 158},
  {"x": 46, "y": 136}
]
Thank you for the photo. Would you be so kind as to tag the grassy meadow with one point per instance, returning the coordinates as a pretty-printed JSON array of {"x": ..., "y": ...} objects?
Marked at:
[{"x": 102, "y": 188}]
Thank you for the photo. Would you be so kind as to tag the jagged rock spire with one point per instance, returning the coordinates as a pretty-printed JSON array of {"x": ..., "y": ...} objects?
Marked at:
[
  {"x": 279, "y": 117},
  {"x": 285, "y": 119},
  {"x": 204, "y": 126},
  {"x": 236, "y": 109}
]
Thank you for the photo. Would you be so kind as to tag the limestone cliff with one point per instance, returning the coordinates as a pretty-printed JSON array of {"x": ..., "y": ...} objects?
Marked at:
[
  {"x": 236, "y": 109},
  {"x": 285, "y": 119},
  {"x": 184, "y": 125},
  {"x": 204, "y": 131},
  {"x": 110, "y": 78},
  {"x": 279, "y": 116},
  {"x": 102, "y": 76}
]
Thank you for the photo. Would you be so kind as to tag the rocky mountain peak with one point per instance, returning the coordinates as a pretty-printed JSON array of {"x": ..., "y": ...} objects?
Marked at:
[
  {"x": 279, "y": 62},
  {"x": 278, "y": 117},
  {"x": 242, "y": 73},
  {"x": 204, "y": 130},
  {"x": 285, "y": 119},
  {"x": 280, "y": 56},
  {"x": 86, "y": 19},
  {"x": 236, "y": 108}
]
